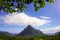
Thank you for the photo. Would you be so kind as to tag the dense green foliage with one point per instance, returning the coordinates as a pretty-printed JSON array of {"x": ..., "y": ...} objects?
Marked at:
[
  {"x": 20, "y": 5},
  {"x": 46, "y": 37}
]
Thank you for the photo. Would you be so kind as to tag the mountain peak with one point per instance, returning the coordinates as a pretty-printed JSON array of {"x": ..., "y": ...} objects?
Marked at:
[
  {"x": 29, "y": 30},
  {"x": 29, "y": 27}
]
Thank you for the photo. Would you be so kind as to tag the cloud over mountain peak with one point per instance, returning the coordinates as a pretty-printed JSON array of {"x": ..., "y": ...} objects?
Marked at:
[{"x": 24, "y": 19}]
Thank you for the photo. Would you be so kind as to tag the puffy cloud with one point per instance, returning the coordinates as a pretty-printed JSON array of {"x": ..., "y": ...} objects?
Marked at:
[
  {"x": 44, "y": 17},
  {"x": 52, "y": 30},
  {"x": 24, "y": 19}
]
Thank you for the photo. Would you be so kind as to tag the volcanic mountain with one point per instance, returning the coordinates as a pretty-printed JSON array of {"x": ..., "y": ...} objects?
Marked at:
[{"x": 30, "y": 31}]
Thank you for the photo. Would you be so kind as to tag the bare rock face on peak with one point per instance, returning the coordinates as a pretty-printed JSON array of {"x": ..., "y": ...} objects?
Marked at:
[{"x": 30, "y": 31}]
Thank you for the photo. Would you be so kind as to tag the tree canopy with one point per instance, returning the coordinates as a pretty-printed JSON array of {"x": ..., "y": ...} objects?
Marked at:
[{"x": 20, "y": 5}]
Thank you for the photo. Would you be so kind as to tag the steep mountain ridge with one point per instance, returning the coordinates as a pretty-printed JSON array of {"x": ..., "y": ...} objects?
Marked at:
[{"x": 29, "y": 30}]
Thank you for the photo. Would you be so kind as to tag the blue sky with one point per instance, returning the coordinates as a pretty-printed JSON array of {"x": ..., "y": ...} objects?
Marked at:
[{"x": 50, "y": 15}]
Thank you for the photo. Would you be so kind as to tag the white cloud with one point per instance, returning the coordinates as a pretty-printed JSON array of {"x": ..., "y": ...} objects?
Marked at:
[
  {"x": 44, "y": 17},
  {"x": 23, "y": 19},
  {"x": 52, "y": 30}
]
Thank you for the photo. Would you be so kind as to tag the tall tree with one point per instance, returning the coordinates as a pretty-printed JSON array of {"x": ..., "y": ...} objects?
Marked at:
[{"x": 20, "y": 5}]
